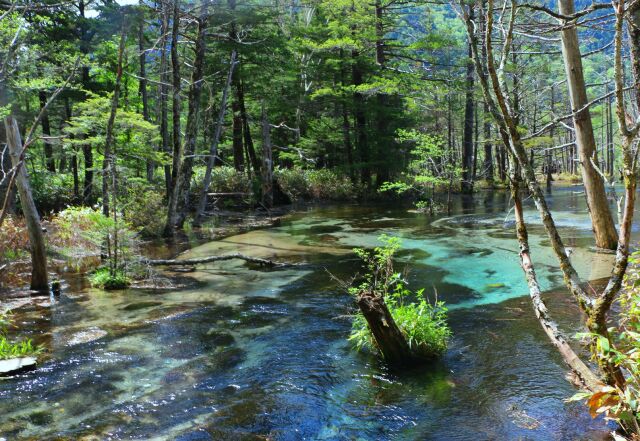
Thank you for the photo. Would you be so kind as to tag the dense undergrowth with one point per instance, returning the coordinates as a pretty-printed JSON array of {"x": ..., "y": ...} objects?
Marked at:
[{"x": 144, "y": 202}]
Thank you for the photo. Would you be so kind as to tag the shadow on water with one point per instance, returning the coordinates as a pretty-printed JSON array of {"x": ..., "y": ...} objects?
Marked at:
[{"x": 253, "y": 355}]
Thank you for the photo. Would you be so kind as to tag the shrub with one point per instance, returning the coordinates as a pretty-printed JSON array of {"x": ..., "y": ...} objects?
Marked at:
[
  {"x": 423, "y": 324},
  {"x": 568, "y": 177},
  {"x": 84, "y": 231},
  {"x": 14, "y": 239},
  {"x": 106, "y": 279},
  {"x": 17, "y": 349},
  {"x": 73, "y": 231},
  {"x": 299, "y": 184},
  {"x": 224, "y": 179},
  {"x": 144, "y": 208},
  {"x": 51, "y": 191}
]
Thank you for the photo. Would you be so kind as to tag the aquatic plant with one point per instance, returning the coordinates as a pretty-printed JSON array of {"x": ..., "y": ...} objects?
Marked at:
[
  {"x": 422, "y": 323},
  {"x": 18, "y": 349},
  {"x": 106, "y": 279}
]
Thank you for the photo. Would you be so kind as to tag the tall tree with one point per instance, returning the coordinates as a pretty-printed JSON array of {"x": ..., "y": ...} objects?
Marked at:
[
  {"x": 169, "y": 228},
  {"x": 39, "y": 275},
  {"x": 185, "y": 174},
  {"x": 108, "y": 163},
  {"x": 601, "y": 217},
  {"x": 467, "y": 141}
]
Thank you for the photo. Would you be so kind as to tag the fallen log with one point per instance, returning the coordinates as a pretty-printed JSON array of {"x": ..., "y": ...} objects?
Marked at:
[{"x": 208, "y": 259}]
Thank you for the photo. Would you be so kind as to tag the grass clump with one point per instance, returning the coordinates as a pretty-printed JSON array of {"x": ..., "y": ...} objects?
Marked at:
[
  {"x": 423, "y": 324},
  {"x": 105, "y": 279},
  {"x": 18, "y": 349}
]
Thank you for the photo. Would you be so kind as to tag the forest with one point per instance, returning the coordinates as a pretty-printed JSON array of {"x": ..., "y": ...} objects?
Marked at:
[{"x": 319, "y": 219}]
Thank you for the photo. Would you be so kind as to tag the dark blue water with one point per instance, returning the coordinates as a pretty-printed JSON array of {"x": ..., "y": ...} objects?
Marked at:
[{"x": 245, "y": 354}]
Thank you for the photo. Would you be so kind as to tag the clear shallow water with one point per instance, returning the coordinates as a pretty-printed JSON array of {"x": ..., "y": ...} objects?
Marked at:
[{"x": 248, "y": 354}]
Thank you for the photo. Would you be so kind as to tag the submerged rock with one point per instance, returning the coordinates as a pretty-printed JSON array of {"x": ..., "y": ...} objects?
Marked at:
[
  {"x": 141, "y": 305},
  {"x": 41, "y": 418},
  {"x": 218, "y": 338},
  {"x": 86, "y": 336},
  {"x": 14, "y": 365}
]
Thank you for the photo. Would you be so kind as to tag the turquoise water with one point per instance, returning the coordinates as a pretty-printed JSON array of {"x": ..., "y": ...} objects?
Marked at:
[{"x": 238, "y": 353}]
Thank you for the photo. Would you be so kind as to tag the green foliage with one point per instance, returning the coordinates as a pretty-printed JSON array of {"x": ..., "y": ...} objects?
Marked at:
[
  {"x": 431, "y": 168},
  {"x": 82, "y": 231},
  {"x": 423, "y": 324},
  {"x": 89, "y": 123},
  {"x": 144, "y": 207},
  {"x": 622, "y": 349},
  {"x": 224, "y": 179},
  {"x": 8, "y": 349},
  {"x": 323, "y": 184},
  {"x": 51, "y": 191},
  {"x": 430, "y": 162},
  {"x": 396, "y": 187},
  {"x": 104, "y": 278}
]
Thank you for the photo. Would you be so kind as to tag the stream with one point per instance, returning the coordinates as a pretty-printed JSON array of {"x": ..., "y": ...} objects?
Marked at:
[{"x": 246, "y": 354}]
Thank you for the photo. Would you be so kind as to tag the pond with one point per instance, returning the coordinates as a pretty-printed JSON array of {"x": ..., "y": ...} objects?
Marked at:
[{"x": 243, "y": 354}]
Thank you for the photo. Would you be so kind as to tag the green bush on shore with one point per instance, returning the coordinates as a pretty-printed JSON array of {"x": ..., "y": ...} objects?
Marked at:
[{"x": 323, "y": 184}]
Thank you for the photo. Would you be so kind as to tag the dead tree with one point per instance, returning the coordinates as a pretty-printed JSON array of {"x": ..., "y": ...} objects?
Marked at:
[
  {"x": 467, "y": 138},
  {"x": 209, "y": 259},
  {"x": 601, "y": 217},
  {"x": 267, "y": 162},
  {"x": 39, "y": 276},
  {"x": 108, "y": 164},
  {"x": 183, "y": 184}
]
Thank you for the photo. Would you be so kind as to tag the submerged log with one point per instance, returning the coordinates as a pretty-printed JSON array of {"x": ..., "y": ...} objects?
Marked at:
[
  {"x": 196, "y": 261},
  {"x": 388, "y": 337}
]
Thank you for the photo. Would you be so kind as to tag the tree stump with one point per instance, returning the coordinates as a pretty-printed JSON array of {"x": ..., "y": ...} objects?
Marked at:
[{"x": 388, "y": 337}]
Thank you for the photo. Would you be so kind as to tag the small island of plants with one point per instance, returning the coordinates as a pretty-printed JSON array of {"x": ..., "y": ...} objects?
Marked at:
[{"x": 402, "y": 325}]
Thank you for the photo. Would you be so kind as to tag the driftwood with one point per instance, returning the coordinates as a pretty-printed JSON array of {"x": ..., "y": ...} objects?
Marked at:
[
  {"x": 388, "y": 337},
  {"x": 196, "y": 261}
]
